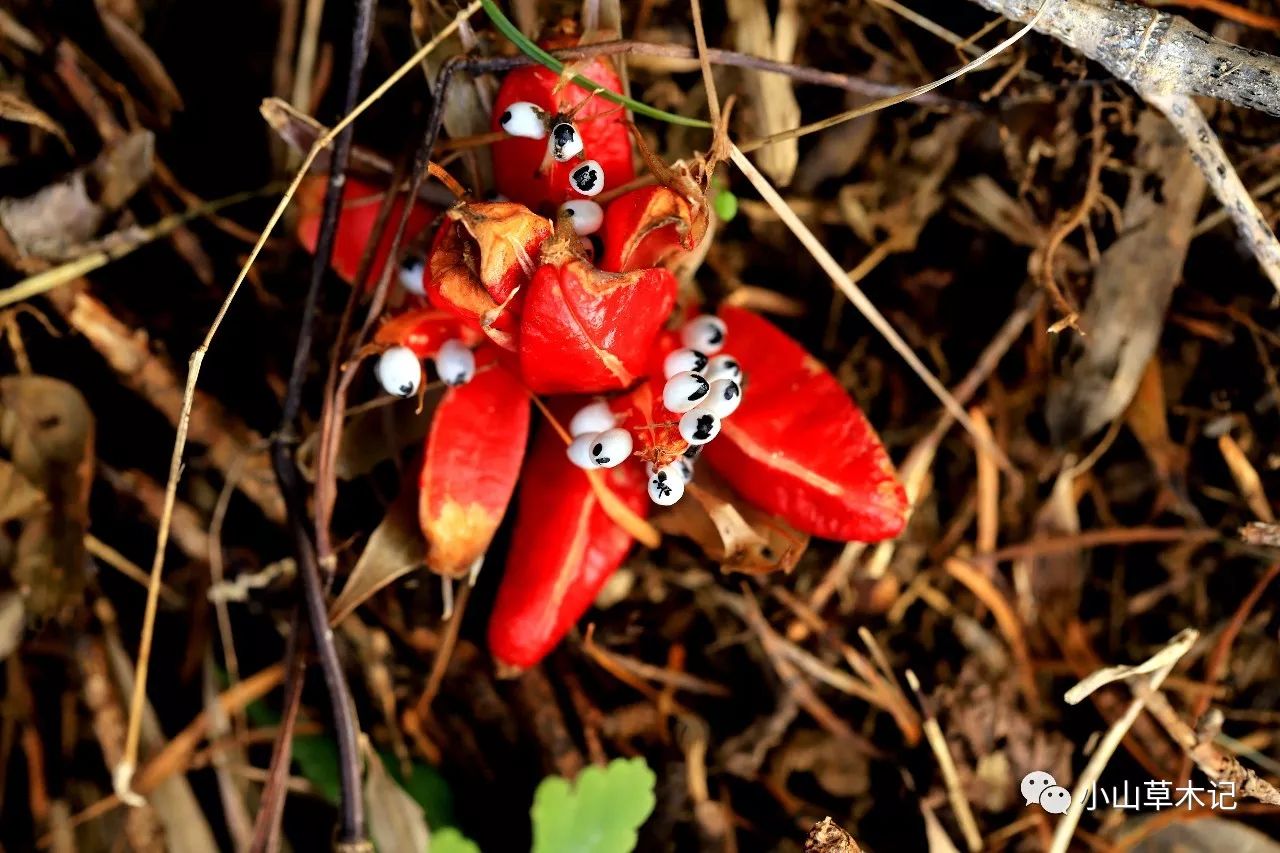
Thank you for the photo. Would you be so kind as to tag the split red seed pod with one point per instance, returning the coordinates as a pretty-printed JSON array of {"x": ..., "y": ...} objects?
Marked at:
[
  {"x": 423, "y": 330},
  {"x": 480, "y": 258},
  {"x": 656, "y": 430},
  {"x": 587, "y": 331},
  {"x": 565, "y": 546},
  {"x": 360, "y": 204},
  {"x": 473, "y": 457},
  {"x": 798, "y": 446},
  {"x": 657, "y": 225},
  {"x": 522, "y": 170}
]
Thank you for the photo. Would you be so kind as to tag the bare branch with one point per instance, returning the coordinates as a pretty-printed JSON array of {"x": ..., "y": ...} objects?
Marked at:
[
  {"x": 1155, "y": 52},
  {"x": 1166, "y": 60}
]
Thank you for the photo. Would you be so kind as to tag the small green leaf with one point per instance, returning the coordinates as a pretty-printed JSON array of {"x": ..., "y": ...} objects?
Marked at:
[
  {"x": 725, "y": 204},
  {"x": 317, "y": 760},
  {"x": 452, "y": 841},
  {"x": 599, "y": 813}
]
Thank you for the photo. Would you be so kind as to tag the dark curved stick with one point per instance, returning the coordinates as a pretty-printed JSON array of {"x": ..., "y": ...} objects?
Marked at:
[{"x": 351, "y": 829}]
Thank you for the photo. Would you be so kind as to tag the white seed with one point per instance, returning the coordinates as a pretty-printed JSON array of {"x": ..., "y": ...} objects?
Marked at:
[
  {"x": 724, "y": 398},
  {"x": 723, "y": 366},
  {"x": 611, "y": 448},
  {"x": 699, "y": 425},
  {"x": 579, "y": 451},
  {"x": 691, "y": 453},
  {"x": 524, "y": 119},
  {"x": 587, "y": 216},
  {"x": 566, "y": 142},
  {"x": 455, "y": 364},
  {"x": 411, "y": 276},
  {"x": 705, "y": 334},
  {"x": 684, "y": 359},
  {"x": 666, "y": 486},
  {"x": 399, "y": 372},
  {"x": 588, "y": 178},
  {"x": 592, "y": 418},
  {"x": 684, "y": 391}
]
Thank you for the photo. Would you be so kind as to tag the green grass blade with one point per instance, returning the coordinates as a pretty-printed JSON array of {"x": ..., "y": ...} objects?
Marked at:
[{"x": 531, "y": 50}]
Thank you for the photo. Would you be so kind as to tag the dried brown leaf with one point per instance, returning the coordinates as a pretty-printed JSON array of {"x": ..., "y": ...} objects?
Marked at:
[
  {"x": 300, "y": 131},
  {"x": 731, "y": 531},
  {"x": 396, "y": 821},
  {"x": 14, "y": 107},
  {"x": 771, "y": 100},
  {"x": 1124, "y": 315},
  {"x": 143, "y": 61},
  {"x": 827, "y": 837},
  {"x": 1246, "y": 477},
  {"x": 18, "y": 497},
  {"x": 47, "y": 429},
  {"x": 395, "y": 549},
  {"x": 58, "y": 220},
  {"x": 13, "y": 621}
]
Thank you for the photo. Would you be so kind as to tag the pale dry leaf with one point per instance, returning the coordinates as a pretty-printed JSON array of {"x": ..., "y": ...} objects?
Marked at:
[
  {"x": 935, "y": 834},
  {"x": 374, "y": 435},
  {"x": 1147, "y": 418},
  {"x": 395, "y": 549},
  {"x": 14, "y": 107},
  {"x": 18, "y": 497},
  {"x": 1246, "y": 477},
  {"x": 467, "y": 106},
  {"x": 1125, "y": 312},
  {"x": 731, "y": 531},
  {"x": 1052, "y": 582},
  {"x": 57, "y": 221},
  {"x": 771, "y": 100},
  {"x": 1175, "y": 649},
  {"x": 13, "y": 621},
  {"x": 397, "y": 823}
]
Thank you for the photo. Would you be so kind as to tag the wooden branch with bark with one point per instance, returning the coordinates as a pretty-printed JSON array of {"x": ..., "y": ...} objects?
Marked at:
[{"x": 1167, "y": 59}]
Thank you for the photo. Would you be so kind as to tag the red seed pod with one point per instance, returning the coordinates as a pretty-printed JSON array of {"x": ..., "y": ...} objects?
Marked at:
[
  {"x": 523, "y": 169},
  {"x": 587, "y": 331},
  {"x": 564, "y": 548},
  {"x": 649, "y": 227},
  {"x": 480, "y": 258},
  {"x": 656, "y": 430},
  {"x": 423, "y": 330},
  {"x": 798, "y": 446},
  {"x": 360, "y": 203},
  {"x": 472, "y": 461}
]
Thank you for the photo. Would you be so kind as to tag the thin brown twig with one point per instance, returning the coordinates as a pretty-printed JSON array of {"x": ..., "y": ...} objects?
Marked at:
[
  {"x": 444, "y": 654},
  {"x": 1216, "y": 662}
]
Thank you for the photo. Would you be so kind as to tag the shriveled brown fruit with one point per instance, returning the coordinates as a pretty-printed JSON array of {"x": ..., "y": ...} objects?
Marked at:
[{"x": 46, "y": 428}]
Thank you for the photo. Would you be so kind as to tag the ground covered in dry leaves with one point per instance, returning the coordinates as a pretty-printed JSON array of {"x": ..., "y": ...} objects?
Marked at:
[{"x": 1039, "y": 234}]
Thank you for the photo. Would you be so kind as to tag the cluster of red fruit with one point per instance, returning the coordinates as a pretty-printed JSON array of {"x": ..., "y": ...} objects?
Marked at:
[{"x": 549, "y": 293}]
